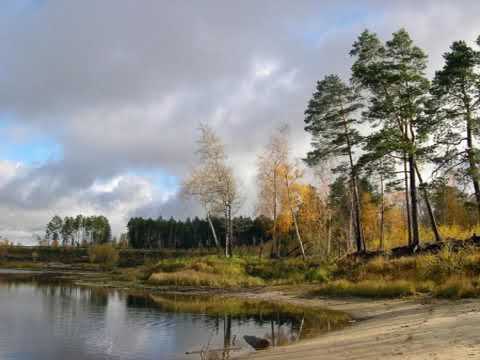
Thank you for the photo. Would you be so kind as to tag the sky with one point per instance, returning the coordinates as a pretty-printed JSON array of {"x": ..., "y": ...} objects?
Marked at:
[{"x": 100, "y": 101}]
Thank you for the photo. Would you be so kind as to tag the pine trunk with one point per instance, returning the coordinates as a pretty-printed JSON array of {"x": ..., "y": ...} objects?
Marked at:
[
  {"x": 407, "y": 201},
  {"x": 431, "y": 215},
  {"x": 329, "y": 236},
  {"x": 473, "y": 161},
  {"x": 358, "y": 216},
  {"x": 382, "y": 215},
  {"x": 356, "y": 198},
  {"x": 414, "y": 203}
]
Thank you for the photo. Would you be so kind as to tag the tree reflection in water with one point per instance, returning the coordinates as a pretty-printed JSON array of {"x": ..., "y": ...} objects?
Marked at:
[{"x": 65, "y": 321}]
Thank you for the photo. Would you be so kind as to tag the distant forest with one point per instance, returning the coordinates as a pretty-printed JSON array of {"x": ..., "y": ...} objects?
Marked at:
[{"x": 195, "y": 233}]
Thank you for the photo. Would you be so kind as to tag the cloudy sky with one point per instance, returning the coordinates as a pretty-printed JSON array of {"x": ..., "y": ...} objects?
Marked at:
[{"x": 100, "y": 100}]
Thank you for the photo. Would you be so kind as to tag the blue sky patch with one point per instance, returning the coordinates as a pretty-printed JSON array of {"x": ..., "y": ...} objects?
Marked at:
[{"x": 31, "y": 148}]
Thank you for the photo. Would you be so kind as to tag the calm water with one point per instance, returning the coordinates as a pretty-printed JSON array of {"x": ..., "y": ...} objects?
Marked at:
[{"x": 43, "y": 320}]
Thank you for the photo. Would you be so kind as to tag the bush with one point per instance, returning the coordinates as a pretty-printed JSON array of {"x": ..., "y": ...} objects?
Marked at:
[
  {"x": 319, "y": 275},
  {"x": 438, "y": 267},
  {"x": 104, "y": 254},
  {"x": 456, "y": 288},
  {"x": 289, "y": 271}
]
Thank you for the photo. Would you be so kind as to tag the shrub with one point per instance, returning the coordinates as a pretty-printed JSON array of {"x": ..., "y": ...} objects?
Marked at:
[
  {"x": 425, "y": 287},
  {"x": 103, "y": 254},
  {"x": 456, "y": 288},
  {"x": 279, "y": 271},
  {"x": 320, "y": 275},
  {"x": 438, "y": 267}
]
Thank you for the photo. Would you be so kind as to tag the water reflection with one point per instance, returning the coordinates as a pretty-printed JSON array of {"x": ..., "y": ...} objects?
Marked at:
[{"x": 44, "y": 320}]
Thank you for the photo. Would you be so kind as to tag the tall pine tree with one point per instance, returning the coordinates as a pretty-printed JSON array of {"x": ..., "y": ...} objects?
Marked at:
[
  {"x": 332, "y": 118},
  {"x": 394, "y": 76},
  {"x": 456, "y": 92}
]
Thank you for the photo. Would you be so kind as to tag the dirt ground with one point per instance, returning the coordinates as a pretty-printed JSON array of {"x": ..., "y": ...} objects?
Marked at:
[{"x": 388, "y": 329}]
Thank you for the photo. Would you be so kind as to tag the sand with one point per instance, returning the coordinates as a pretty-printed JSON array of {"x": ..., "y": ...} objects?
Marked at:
[{"x": 388, "y": 329}]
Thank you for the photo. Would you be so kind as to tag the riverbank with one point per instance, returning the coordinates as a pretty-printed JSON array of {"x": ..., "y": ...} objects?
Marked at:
[
  {"x": 418, "y": 327},
  {"x": 412, "y": 328}
]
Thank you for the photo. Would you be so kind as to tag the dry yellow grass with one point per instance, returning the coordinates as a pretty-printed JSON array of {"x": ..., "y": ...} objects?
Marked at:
[
  {"x": 200, "y": 278},
  {"x": 367, "y": 288}
]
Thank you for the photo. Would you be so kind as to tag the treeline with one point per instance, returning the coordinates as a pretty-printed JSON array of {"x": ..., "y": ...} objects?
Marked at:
[
  {"x": 195, "y": 233},
  {"x": 77, "y": 231},
  {"x": 395, "y": 156},
  {"x": 419, "y": 130}
]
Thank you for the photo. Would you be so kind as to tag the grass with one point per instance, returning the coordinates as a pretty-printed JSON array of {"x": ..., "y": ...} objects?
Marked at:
[
  {"x": 219, "y": 272},
  {"x": 447, "y": 274},
  {"x": 457, "y": 288},
  {"x": 366, "y": 288},
  {"x": 202, "y": 279}
]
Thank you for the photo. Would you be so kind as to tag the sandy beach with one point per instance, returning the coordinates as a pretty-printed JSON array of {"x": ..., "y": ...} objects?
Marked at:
[{"x": 389, "y": 329}]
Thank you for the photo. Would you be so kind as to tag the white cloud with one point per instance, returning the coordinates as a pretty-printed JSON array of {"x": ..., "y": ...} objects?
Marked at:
[{"x": 122, "y": 88}]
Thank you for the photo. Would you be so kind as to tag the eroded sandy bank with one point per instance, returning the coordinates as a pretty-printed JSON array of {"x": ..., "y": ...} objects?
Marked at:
[{"x": 391, "y": 329}]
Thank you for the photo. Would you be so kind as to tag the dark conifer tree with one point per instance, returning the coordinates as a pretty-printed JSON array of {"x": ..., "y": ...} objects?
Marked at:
[{"x": 332, "y": 118}]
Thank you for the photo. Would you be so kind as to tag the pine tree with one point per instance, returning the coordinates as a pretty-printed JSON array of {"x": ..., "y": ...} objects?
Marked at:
[
  {"x": 54, "y": 229},
  {"x": 393, "y": 74},
  {"x": 332, "y": 118},
  {"x": 456, "y": 91},
  {"x": 376, "y": 163}
]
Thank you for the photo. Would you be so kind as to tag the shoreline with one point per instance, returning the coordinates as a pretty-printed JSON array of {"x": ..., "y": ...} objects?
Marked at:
[
  {"x": 410, "y": 328},
  {"x": 406, "y": 328}
]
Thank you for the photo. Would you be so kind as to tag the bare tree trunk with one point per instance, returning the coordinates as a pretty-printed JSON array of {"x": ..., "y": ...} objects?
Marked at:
[
  {"x": 358, "y": 216},
  {"x": 414, "y": 202},
  {"x": 382, "y": 215},
  {"x": 227, "y": 231},
  {"x": 407, "y": 200},
  {"x": 356, "y": 197},
  {"x": 431, "y": 215},
  {"x": 275, "y": 240},
  {"x": 350, "y": 228},
  {"x": 329, "y": 234},
  {"x": 474, "y": 173},
  {"x": 214, "y": 233},
  {"x": 230, "y": 229},
  {"x": 297, "y": 232}
]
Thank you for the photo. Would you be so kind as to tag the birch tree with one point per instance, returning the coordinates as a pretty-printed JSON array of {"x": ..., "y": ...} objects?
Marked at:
[
  {"x": 213, "y": 184},
  {"x": 276, "y": 175},
  {"x": 269, "y": 181}
]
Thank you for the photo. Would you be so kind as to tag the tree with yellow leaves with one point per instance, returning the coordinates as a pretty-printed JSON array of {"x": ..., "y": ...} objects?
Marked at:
[{"x": 276, "y": 176}]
